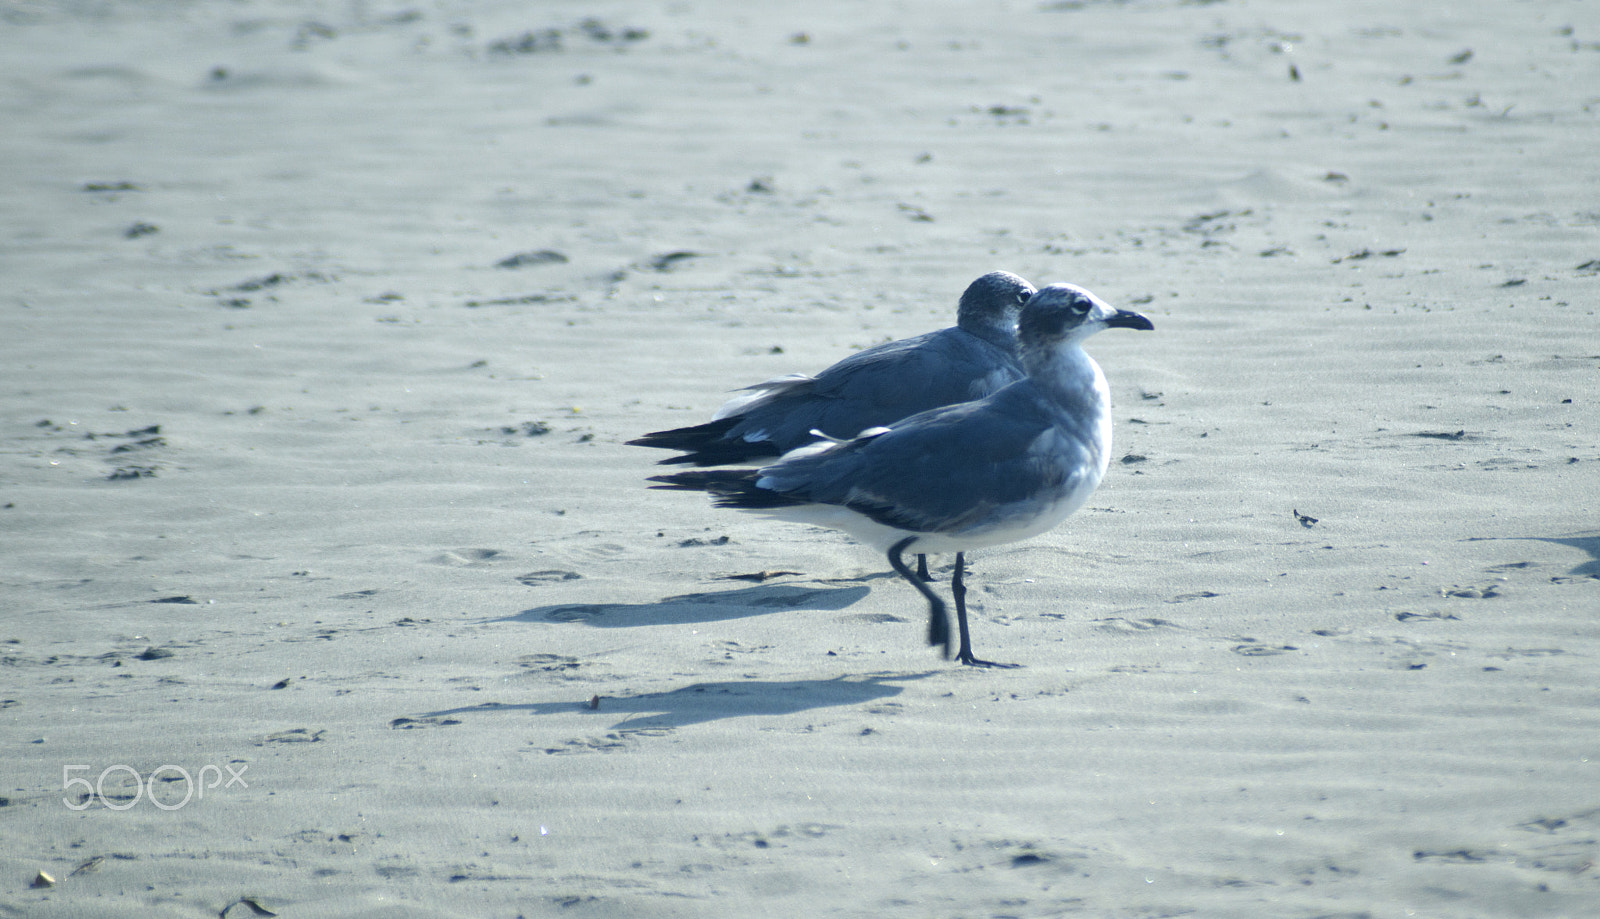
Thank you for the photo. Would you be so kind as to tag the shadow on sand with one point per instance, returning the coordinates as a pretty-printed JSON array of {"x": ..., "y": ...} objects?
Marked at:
[
  {"x": 1588, "y": 543},
  {"x": 700, "y": 702},
  {"x": 696, "y": 607}
]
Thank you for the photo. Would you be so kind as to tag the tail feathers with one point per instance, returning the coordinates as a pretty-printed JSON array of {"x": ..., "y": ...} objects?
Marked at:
[
  {"x": 707, "y": 480},
  {"x": 706, "y": 445},
  {"x": 735, "y": 488}
]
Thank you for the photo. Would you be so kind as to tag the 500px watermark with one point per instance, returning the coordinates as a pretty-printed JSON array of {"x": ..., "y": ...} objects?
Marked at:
[{"x": 120, "y": 787}]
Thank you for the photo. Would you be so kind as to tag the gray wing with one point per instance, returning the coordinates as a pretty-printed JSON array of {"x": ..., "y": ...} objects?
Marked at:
[
  {"x": 876, "y": 387},
  {"x": 943, "y": 471}
]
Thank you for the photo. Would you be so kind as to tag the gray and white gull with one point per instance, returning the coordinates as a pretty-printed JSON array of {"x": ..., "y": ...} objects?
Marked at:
[
  {"x": 879, "y": 386},
  {"x": 981, "y": 473}
]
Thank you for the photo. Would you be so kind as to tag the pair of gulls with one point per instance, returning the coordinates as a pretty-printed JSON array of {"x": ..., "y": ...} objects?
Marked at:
[{"x": 985, "y": 433}]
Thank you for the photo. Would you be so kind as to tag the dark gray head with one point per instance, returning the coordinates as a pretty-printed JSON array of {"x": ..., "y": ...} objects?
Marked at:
[
  {"x": 990, "y": 305},
  {"x": 1068, "y": 313}
]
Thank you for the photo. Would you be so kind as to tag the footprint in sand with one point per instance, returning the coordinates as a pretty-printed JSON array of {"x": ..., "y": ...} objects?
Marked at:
[
  {"x": 1256, "y": 649},
  {"x": 465, "y": 558},
  {"x": 549, "y": 663},
  {"x": 614, "y": 742},
  {"x": 1471, "y": 593},
  {"x": 1119, "y": 624},
  {"x": 411, "y": 724},
  {"x": 549, "y": 576},
  {"x": 1432, "y": 615},
  {"x": 294, "y": 735}
]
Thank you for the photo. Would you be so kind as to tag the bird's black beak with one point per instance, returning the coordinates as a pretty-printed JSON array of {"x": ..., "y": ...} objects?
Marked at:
[{"x": 1128, "y": 319}]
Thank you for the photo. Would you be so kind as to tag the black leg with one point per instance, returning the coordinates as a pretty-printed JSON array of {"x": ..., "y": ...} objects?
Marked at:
[
  {"x": 938, "y": 623},
  {"x": 922, "y": 567},
  {"x": 958, "y": 589}
]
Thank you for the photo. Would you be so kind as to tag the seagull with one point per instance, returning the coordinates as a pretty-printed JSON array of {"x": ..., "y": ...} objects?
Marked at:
[
  {"x": 982, "y": 473},
  {"x": 881, "y": 385}
]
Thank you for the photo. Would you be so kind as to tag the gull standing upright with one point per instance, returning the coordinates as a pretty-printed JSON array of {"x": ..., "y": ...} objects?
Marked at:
[
  {"x": 982, "y": 473},
  {"x": 881, "y": 385}
]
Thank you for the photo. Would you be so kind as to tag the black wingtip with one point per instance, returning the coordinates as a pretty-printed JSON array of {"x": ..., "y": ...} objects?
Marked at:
[
  {"x": 707, "y": 445},
  {"x": 688, "y": 439},
  {"x": 734, "y": 488},
  {"x": 697, "y": 480}
]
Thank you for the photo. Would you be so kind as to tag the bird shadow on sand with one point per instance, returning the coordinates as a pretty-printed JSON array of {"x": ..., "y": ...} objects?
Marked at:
[
  {"x": 1589, "y": 544},
  {"x": 1584, "y": 542},
  {"x": 701, "y": 702},
  {"x": 696, "y": 607}
]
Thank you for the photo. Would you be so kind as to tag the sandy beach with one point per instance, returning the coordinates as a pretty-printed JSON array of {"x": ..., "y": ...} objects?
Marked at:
[{"x": 329, "y": 586}]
